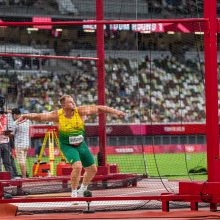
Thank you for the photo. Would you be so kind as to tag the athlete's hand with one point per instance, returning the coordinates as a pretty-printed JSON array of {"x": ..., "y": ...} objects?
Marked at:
[
  {"x": 21, "y": 119},
  {"x": 120, "y": 114}
]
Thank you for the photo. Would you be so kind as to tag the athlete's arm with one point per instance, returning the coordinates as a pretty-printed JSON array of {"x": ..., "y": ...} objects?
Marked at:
[
  {"x": 95, "y": 109},
  {"x": 40, "y": 117}
]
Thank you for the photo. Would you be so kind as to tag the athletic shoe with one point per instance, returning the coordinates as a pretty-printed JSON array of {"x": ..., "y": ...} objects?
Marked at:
[
  {"x": 80, "y": 192},
  {"x": 74, "y": 194}
]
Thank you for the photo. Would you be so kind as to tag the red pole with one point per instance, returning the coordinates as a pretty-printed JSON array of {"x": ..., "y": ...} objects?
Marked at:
[
  {"x": 211, "y": 89},
  {"x": 101, "y": 21},
  {"x": 101, "y": 80}
]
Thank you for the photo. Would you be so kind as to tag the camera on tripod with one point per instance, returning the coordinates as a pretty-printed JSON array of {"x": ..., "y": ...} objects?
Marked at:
[{"x": 2, "y": 104}]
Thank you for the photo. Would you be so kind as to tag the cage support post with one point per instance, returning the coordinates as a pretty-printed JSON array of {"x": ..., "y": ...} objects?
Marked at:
[{"x": 101, "y": 80}]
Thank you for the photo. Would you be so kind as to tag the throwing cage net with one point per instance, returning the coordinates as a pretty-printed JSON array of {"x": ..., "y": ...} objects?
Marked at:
[{"x": 153, "y": 71}]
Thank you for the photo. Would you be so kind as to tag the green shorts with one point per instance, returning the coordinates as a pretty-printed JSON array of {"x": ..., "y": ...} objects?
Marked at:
[{"x": 77, "y": 153}]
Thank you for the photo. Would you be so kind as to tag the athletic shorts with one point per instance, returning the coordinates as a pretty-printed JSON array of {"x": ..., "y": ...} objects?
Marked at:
[
  {"x": 21, "y": 155},
  {"x": 77, "y": 153}
]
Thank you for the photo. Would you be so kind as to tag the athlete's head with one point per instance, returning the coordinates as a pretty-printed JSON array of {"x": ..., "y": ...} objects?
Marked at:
[
  {"x": 15, "y": 113},
  {"x": 67, "y": 102}
]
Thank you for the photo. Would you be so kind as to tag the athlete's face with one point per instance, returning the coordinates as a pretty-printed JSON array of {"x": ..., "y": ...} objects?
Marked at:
[
  {"x": 69, "y": 103},
  {"x": 15, "y": 116}
]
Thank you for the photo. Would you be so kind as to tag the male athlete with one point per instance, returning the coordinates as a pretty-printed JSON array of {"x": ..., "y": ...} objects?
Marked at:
[{"x": 70, "y": 119}]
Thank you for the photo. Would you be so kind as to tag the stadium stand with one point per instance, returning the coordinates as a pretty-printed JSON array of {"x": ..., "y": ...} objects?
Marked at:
[
  {"x": 165, "y": 70},
  {"x": 167, "y": 74},
  {"x": 113, "y": 9}
]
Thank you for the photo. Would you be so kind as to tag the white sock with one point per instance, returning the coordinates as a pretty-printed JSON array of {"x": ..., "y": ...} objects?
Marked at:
[
  {"x": 74, "y": 193},
  {"x": 83, "y": 188}
]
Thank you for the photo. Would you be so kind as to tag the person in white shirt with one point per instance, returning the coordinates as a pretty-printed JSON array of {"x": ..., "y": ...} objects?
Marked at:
[{"x": 21, "y": 140}]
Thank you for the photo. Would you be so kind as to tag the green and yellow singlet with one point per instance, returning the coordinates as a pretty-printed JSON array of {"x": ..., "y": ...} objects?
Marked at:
[
  {"x": 71, "y": 138},
  {"x": 70, "y": 127}
]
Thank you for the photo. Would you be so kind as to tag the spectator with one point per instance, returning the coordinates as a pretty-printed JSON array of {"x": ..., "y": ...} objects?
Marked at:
[
  {"x": 5, "y": 148},
  {"x": 12, "y": 153},
  {"x": 21, "y": 140}
]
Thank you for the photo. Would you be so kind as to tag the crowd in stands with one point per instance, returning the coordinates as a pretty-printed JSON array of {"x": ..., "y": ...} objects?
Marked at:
[
  {"x": 175, "y": 6},
  {"x": 76, "y": 7},
  {"x": 20, "y": 63},
  {"x": 63, "y": 6},
  {"x": 162, "y": 91},
  {"x": 159, "y": 91}
]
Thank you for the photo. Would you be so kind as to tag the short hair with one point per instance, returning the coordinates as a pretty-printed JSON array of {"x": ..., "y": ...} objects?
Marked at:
[
  {"x": 16, "y": 111},
  {"x": 63, "y": 98}
]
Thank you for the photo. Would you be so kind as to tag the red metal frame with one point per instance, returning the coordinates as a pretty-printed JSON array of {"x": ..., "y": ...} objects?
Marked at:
[
  {"x": 168, "y": 197},
  {"x": 104, "y": 178},
  {"x": 165, "y": 199},
  {"x": 101, "y": 80},
  {"x": 101, "y": 21},
  {"x": 211, "y": 88},
  {"x": 212, "y": 127}
]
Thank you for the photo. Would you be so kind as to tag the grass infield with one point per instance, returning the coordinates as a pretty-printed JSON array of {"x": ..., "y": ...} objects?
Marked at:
[{"x": 168, "y": 165}]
